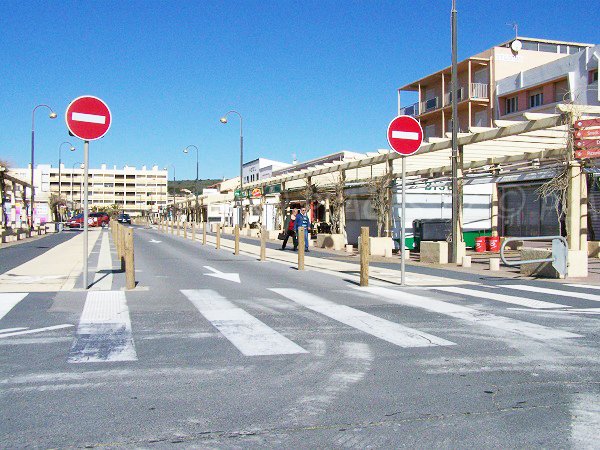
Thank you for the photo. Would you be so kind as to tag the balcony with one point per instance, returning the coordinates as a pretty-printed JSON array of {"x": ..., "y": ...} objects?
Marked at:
[
  {"x": 479, "y": 91},
  {"x": 430, "y": 105},
  {"x": 412, "y": 110}
]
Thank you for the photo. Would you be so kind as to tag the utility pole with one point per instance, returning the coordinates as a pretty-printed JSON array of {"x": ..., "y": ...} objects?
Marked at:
[{"x": 455, "y": 193}]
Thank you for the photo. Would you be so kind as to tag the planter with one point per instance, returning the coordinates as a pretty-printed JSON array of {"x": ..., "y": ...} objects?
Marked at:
[
  {"x": 334, "y": 241},
  {"x": 380, "y": 246}
]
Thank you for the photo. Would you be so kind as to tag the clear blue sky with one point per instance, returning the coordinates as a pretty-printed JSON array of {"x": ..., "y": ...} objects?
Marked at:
[{"x": 309, "y": 77}]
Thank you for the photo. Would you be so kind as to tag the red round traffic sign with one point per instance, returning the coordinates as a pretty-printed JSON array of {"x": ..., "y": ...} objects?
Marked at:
[
  {"x": 405, "y": 135},
  {"x": 88, "y": 118}
]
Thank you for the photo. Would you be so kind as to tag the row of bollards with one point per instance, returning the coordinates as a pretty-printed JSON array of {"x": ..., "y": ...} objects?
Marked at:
[{"x": 123, "y": 239}]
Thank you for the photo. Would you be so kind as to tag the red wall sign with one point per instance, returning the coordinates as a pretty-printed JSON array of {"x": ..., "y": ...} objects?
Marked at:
[{"x": 88, "y": 118}]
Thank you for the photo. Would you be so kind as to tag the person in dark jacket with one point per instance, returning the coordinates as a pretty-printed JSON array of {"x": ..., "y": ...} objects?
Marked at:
[
  {"x": 302, "y": 220},
  {"x": 290, "y": 232}
]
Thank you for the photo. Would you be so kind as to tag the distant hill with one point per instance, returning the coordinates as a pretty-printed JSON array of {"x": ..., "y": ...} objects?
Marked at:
[{"x": 175, "y": 187}]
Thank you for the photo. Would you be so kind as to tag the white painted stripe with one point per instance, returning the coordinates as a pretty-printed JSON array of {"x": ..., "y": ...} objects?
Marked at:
[
  {"x": 9, "y": 300},
  {"x": 36, "y": 330},
  {"x": 584, "y": 286},
  {"x": 585, "y": 420},
  {"x": 90, "y": 118},
  {"x": 251, "y": 336},
  {"x": 410, "y": 135},
  {"x": 557, "y": 292},
  {"x": 589, "y": 311},
  {"x": 469, "y": 314},
  {"x": 8, "y": 330},
  {"x": 104, "y": 331},
  {"x": 486, "y": 295},
  {"x": 104, "y": 277},
  {"x": 376, "y": 326}
]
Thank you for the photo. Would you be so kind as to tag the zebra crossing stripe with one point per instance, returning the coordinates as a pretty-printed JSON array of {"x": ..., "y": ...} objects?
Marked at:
[
  {"x": 557, "y": 292},
  {"x": 9, "y": 300},
  {"x": 522, "y": 301},
  {"x": 251, "y": 336},
  {"x": 376, "y": 326},
  {"x": 104, "y": 331},
  {"x": 469, "y": 314}
]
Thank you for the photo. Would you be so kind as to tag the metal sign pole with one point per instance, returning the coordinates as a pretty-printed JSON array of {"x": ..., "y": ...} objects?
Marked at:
[
  {"x": 86, "y": 148},
  {"x": 403, "y": 225}
]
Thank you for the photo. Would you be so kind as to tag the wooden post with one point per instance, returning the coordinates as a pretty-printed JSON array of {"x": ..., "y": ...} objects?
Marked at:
[
  {"x": 178, "y": 227},
  {"x": 218, "y": 246},
  {"x": 236, "y": 232},
  {"x": 122, "y": 232},
  {"x": 185, "y": 230},
  {"x": 172, "y": 227},
  {"x": 301, "y": 248},
  {"x": 129, "y": 260},
  {"x": 194, "y": 231},
  {"x": 204, "y": 233},
  {"x": 364, "y": 256},
  {"x": 263, "y": 243}
]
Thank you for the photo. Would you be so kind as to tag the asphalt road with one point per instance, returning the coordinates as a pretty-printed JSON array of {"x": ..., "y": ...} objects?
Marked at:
[{"x": 289, "y": 359}]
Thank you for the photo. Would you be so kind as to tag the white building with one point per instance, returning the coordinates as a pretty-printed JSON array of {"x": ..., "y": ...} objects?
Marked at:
[{"x": 260, "y": 169}]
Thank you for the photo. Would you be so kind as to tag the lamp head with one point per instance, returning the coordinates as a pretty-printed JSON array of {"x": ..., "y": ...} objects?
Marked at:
[
  {"x": 185, "y": 150},
  {"x": 223, "y": 120},
  {"x": 72, "y": 148},
  {"x": 53, "y": 115}
]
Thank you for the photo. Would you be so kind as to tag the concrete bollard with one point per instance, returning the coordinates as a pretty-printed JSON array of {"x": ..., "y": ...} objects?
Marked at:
[
  {"x": 263, "y": 244},
  {"x": 494, "y": 264},
  {"x": 406, "y": 253},
  {"x": 349, "y": 248},
  {"x": 218, "y": 245},
  {"x": 301, "y": 245},
  {"x": 466, "y": 261},
  {"x": 236, "y": 233},
  {"x": 364, "y": 256},
  {"x": 129, "y": 258}
]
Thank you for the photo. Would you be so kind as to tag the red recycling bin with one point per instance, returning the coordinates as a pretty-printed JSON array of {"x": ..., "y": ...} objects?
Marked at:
[
  {"x": 492, "y": 244},
  {"x": 480, "y": 244}
]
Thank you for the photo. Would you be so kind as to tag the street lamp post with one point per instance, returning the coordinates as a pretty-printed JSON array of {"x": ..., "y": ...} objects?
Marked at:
[
  {"x": 52, "y": 115},
  {"x": 174, "y": 199},
  {"x": 60, "y": 169},
  {"x": 224, "y": 120},
  {"x": 73, "y": 176},
  {"x": 185, "y": 150}
]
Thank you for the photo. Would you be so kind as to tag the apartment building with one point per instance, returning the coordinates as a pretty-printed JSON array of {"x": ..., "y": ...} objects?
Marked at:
[
  {"x": 477, "y": 77},
  {"x": 260, "y": 168},
  {"x": 135, "y": 191}
]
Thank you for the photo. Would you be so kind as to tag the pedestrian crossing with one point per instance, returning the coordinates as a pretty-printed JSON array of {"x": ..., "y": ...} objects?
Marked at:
[{"x": 104, "y": 332}]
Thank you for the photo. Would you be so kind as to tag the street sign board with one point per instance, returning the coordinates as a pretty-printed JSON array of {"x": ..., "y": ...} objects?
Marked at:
[
  {"x": 88, "y": 118},
  {"x": 587, "y": 154},
  {"x": 405, "y": 135},
  {"x": 587, "y": 123},
  {"x": 582, "y": 134},
  {"x": 588, "y": 143}
]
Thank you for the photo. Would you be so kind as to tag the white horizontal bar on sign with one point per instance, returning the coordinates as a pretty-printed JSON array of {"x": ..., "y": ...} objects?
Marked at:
[
  {"x": 90, "y": 118},
  {"x": 410, "y": 135}
]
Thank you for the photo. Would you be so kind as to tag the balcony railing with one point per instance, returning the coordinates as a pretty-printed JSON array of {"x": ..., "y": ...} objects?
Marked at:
[
  {"x": 431, "y": 104},
  {"x": 412, "y": 110},
  {"x": 448, "y": 96},
  {"x": 480, "y": 90}
]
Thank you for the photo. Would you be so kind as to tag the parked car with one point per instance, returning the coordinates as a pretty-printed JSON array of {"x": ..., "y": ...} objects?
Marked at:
[
  {"x": 124, "y": 218},
  {"x": 100, "y": 219},
  {"x": 76, "y": 221}
]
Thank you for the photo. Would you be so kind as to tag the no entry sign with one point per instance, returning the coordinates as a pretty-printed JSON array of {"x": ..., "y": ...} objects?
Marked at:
[
  {"x": 88, "y": 118},
  {"x": 405, "y": 135}
]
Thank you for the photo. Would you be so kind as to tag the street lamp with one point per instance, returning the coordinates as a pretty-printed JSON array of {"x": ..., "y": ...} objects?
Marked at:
[
  {"x": 174, "y": 199},
  {"x": 185, "y": 150},
  {"x": 52, "y": 115},
  {"x": 73, "y": 176},
  {"x": 59, "y": 167},
  {"x": 224, "y": 120}
]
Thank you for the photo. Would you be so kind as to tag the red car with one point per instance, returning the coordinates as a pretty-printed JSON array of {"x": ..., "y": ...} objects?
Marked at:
[{"x": 94, "y": 220}]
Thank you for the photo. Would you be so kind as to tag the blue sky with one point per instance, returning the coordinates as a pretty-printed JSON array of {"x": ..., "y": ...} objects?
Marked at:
[{"x": 310, "y": 77}]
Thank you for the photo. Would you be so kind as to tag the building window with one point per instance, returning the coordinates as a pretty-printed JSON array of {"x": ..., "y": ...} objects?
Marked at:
[
  {"x": 593, "y": 76},
  {"x": 536, "y": 99},
  {"x": 512, "y": 104}
]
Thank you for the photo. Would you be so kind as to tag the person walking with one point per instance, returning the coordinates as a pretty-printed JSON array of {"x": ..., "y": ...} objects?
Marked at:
[
  {"x": 290, "y": 232},
  {"x": 302, "y": 220}
]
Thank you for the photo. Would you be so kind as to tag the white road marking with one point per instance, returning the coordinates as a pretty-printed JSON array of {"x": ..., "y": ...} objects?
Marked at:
[
  {"x": 376, "y": 326},
  {"x": 104, "y": 331},
  {"x": 89, "y": 118},
  {"x": 154, "y": 241},
  {"x": 530, "y": 303},
  {"x": 469, "y": 314},
  {"x": 104, "y": 277},
  {"x": 557, "y": 292},
  {"x": 592, "y": 311},
  {"x": 584, "y": 286},
  {"x": 235, "y": 277},
  {"x": 9, "y": 300},
  {"x": 36, "y": 330},
  {"x": 251, "y": 336},
  {"x": 8, "y": 330},
  {"x": 585, "y": 420},
  {"x": 409, "y": 135}
]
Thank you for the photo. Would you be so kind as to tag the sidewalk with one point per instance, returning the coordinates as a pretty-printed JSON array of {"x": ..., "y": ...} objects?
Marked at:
[
  {"x": 55, "y": 270},
  {"x": 388, "y": 269}
]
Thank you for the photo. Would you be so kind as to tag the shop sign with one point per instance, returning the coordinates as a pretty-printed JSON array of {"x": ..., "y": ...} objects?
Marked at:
[
  {"x": 256, "y": 193},
  {"x": 273, "y": 189},
  {"x": 237, "y": 194}
]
